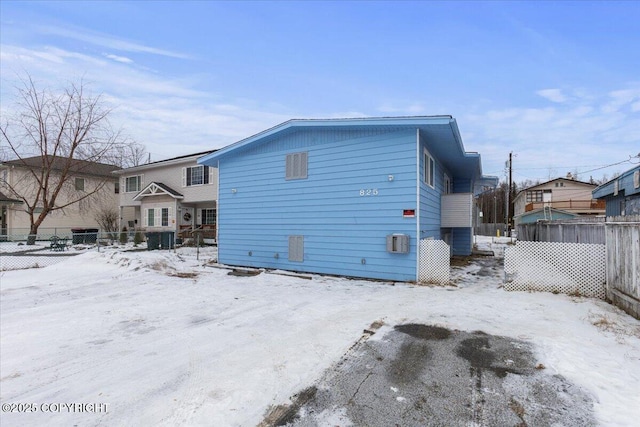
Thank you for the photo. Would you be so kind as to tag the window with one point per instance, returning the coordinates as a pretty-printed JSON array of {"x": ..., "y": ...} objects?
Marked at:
[
  {"x": 80, "y": 184},
  {"x": 296, "y": 166},
  {"x": 117, "y": 187},
  {"x": 196, "y": 175},
  {"x": 448, "y": 188},
  {"x": 208, "y": 216},
  {"x": 534, "y": 196},
  {"x": 165, "y": 217},
  {"x": 429, "y": 169},
  {"x": 133, "y": 183},
  {"x": 158, "y": 217}
]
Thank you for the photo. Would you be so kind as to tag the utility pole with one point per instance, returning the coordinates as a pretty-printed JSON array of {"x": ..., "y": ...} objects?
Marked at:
[{"x": 509, "y": 210}]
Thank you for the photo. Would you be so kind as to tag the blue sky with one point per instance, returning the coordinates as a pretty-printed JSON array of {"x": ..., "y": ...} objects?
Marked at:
[{"x": 557, "y": 83}]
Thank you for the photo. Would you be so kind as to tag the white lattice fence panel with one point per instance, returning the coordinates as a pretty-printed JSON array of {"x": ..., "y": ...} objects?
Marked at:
[
  {"x": 568, "y": 268},
  {"x": 434, "y": 262}
]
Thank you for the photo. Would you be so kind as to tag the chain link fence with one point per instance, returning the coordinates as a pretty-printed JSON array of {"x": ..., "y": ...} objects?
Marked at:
[{"x": 23, "y": 251}]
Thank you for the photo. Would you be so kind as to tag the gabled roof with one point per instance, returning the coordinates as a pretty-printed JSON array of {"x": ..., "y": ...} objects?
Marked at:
[
  {"x": 4, "y": 199},
  {"x": 157, "y": 189},
  {"x": 626, "y": 182},
  {"x": 442, "y": 129},
  {"x": 58, "y": 163},
  {"x": 542, "y": 184},
  {"x": 167, "y": 162}
]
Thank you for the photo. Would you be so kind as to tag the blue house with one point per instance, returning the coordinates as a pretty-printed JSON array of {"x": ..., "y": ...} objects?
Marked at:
[
  {"x": 348, "y": 197},
  {"x": 621, "y": 194}
]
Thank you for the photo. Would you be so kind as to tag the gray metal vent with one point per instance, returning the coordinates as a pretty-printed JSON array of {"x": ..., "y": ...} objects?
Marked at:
[{"x": 398, "y": 243}]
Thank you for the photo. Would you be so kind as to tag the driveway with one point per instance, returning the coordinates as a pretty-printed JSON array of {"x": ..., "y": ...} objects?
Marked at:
[
  {"x": 424, "y": 375},
  {"x": 421, "y": 375}
]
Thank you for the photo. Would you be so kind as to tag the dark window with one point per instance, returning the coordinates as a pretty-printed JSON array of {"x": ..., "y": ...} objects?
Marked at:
[
  {"x": 197, "y": 175},
  {"x": 209, "y": 216},
  {"x": 80, "y": 184}
]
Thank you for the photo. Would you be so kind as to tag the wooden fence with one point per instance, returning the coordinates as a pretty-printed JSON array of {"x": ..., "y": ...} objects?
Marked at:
[
  {"x": 623, "y": 263},
  {"x": 490, "y": 229},
  {"x": 621, "y": 235},
  {"x": 581, "y": 230}
]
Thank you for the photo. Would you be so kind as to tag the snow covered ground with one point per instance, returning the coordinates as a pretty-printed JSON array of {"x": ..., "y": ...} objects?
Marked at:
[{"x": 160, "y": 338}]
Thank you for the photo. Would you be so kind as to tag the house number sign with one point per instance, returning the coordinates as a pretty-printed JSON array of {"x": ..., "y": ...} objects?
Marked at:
[{"x": 368, "y": 192}]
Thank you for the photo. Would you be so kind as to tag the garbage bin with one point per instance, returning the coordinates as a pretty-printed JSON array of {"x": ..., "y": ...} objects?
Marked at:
[
  {"x": 166, "y": 240},
  {"x": 77, "y": 235},
  {"x": 153, "y": 240},
  {"x": 90, "y": 235}
]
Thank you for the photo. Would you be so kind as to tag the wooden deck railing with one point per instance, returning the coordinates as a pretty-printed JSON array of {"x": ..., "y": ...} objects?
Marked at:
[{"x": 568, "y": 204}]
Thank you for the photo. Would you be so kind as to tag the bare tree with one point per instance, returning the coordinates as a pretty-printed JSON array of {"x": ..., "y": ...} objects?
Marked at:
[
  {"x": 56, "y": 138},
  {"x": 107, "y": 217}
]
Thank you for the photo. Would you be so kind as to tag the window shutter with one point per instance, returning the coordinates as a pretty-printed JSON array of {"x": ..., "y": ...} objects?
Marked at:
[
  {"x": 184, "y": 177},
  {"x": 141, "y": 183},
  {"x": 210, "y": 174},
  {"x": 170, "y": 216},
  {"x": 145, "y": 218}
]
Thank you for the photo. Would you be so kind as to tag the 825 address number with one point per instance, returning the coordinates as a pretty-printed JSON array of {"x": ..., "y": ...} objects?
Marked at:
[{"x": 368, "y": 192}]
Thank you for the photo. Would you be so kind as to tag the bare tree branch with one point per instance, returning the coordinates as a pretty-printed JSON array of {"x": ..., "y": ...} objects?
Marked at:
[{"x": 57, "y": 137}]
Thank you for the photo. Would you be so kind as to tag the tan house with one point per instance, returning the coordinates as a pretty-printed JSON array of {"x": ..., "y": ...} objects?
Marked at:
[
  {"x": 90, "y": 188},
  {"x": 176, "y": 194},
  {"x": 556, "y": 199}
]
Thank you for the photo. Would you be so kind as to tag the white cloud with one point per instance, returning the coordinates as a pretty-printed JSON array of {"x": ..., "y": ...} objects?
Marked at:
[
  {"x": 106, "y": 41},
  {"x": 580, "y": 134},
  {"x": 553, "y": 95},
  {"x": 117, "y": 58},
  {"x": 169, "y": 116}
]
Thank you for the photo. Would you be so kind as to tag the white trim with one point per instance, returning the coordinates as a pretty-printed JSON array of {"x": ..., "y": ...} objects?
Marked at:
[
  {"x": 431, "y": 173},
  {"x": 217, "y": 207},
  {"x": 447, "y": 189},
  {"x": 418, "y": 235}
]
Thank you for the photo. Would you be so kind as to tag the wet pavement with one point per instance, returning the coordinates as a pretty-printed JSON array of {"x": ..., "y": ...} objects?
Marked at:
[{"x": 422, "y": 375}]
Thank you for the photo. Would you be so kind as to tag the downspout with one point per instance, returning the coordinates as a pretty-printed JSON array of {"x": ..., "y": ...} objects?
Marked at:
[
  {"x": 218, "y": 210},
  {"x": 417, "y": 204}
]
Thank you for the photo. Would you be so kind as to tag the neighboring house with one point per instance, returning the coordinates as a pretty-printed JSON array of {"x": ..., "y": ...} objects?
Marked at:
[
  {"x": 621, "y": 194},
  {"x": 350, "y": 197},
  {"x": 5, "y": 204},
  {"x": 85, "y": 178},
  {"x": 560, "y": 198},
  {"x": 176, "y": 194}
]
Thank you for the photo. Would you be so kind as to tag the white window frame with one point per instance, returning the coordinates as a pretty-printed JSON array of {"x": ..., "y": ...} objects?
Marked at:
[
  {"x": 203, "y": 216},
  {"x": 164, "y": 221},
  {"x": 429, "y": 169},
  {"x": 150, "y": 217},
  {"x": 187, "y": 175},
  {"x": 155, "y": 217},
  {"x": 138, "y": 186},
  {"x": 447, "y": 185}
]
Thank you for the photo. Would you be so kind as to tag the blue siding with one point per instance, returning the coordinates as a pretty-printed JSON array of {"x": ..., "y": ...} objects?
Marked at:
[
  {"x": 258, "y": 209},
  {"x": 613, "y": 205},
  {"x": 461, "y": 238},
  {"x": 462, "y": 241}
]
